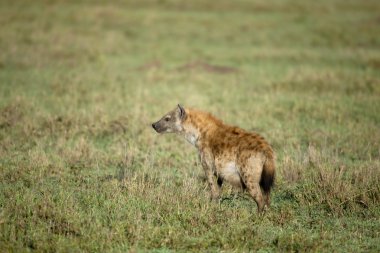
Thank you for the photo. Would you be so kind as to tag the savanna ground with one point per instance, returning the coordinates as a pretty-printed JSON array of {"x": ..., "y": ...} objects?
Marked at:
[{"x": 81, "y": 82}]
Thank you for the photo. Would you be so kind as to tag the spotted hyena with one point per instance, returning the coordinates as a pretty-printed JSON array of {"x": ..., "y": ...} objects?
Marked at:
[{"x": 227, "y": 153}]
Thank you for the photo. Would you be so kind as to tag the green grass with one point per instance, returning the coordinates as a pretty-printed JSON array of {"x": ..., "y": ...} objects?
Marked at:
[{"x": 81, "y": 82}]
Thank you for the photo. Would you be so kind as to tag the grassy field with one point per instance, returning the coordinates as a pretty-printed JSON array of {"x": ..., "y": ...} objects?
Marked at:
[{"x": 81, "y": 169}]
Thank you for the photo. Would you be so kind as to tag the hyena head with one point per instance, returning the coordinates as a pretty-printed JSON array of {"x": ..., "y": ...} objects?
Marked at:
[{"x": 171, "y": 122}]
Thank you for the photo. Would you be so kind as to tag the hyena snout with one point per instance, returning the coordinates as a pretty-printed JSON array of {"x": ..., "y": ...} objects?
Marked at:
[
  {"x": 154, "y": 125},
  {"x": 159, "y": 127}
]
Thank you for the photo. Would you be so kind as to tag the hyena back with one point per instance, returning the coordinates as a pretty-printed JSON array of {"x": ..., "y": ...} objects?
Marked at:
[{"x": 227, "y": 153}]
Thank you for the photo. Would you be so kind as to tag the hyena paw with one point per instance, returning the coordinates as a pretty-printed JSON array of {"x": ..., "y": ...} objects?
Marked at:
[{"x": 214, "y": 197}]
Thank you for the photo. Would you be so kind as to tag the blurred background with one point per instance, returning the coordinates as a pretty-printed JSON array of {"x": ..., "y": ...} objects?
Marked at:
[{"x": 82, "y": 81}]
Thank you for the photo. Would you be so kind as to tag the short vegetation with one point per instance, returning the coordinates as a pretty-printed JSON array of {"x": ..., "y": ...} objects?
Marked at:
[{"x": 81, "y": 169}]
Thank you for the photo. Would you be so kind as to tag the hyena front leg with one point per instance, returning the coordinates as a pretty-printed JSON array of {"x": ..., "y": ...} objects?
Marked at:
[{"x": 207, "y": 161}]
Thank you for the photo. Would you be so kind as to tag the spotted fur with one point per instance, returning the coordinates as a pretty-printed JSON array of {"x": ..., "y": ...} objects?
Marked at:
[{"x": 227, "y": 153}]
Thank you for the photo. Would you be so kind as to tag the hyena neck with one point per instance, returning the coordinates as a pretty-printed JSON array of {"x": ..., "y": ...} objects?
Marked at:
[
  {"x": 192, "y": 135},
  {"x": 197, "y": 125}
]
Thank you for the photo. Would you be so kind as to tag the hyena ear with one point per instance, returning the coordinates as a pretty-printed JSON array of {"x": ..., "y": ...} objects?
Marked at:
[{"x": 182, "y": 112}]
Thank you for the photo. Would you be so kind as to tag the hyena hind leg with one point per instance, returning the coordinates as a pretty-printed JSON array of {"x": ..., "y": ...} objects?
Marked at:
[
  {"x": 251, "y": 177},
  {"x": 266, "y": 196},
  {"x": 253, "y": 187},
  {"x": 255, "y": 191}
]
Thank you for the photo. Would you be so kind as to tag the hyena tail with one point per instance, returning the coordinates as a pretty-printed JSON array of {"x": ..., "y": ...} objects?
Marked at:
[{"x": 268, "y": 174}]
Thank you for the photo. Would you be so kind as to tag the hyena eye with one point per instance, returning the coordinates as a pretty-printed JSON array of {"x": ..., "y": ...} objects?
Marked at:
[{"x": 167, "y": 118}]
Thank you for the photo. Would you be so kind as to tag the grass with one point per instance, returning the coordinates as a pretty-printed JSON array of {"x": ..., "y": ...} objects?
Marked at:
[{"x": 81, "y": 82}]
